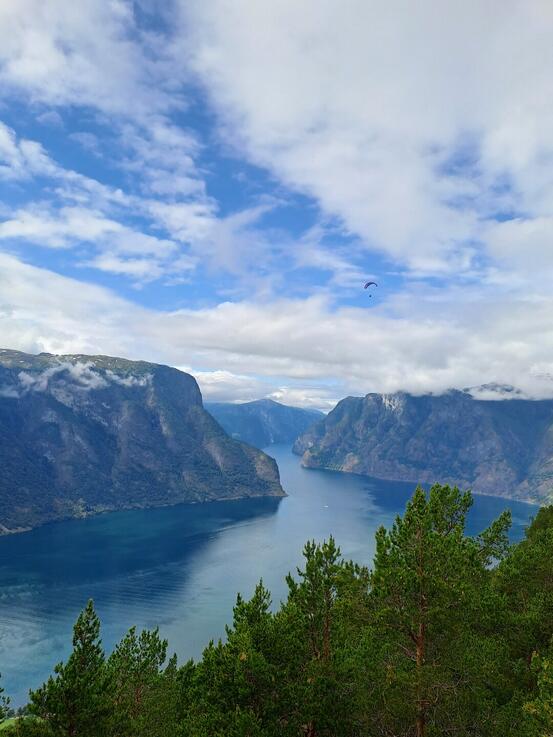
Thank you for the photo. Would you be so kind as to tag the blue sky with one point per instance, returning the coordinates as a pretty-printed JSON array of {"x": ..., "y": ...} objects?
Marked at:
[
  {"x": 267, "y": 239},
  {"x": 210, "y": 184}
]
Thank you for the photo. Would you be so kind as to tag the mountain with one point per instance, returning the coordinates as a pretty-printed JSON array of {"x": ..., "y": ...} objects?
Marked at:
[
  {"x": 264, "y": 421},
  {"x": 502, "y": 447},
  {"x": 85, "y": 434}
]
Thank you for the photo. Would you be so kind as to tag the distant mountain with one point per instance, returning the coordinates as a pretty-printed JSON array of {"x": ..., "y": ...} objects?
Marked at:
[
  {"x": 264, "y": 421},
  {"x": 85, "y": 434},
  {"x": 502, "y": 447}
]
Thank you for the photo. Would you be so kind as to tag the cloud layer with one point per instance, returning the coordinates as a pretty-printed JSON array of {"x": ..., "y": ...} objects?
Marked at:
[
  {"x": 246, "y": 166},
  {"x": 417, "y": 125},
  {"x": 301, "y": 351}
]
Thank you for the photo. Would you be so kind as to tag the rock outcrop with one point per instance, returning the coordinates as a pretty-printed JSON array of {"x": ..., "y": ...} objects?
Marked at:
[{"x": 502, "y": 447}]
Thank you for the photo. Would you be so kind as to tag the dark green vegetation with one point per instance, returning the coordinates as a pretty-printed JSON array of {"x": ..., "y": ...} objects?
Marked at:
[
  {"x": 87, "y": 434},
  {"x": 504, "y": 447},
  {"x": 447, "y": 635},
  {"x": 264, "y": 421},
  {"x": 4, "y": 705}
]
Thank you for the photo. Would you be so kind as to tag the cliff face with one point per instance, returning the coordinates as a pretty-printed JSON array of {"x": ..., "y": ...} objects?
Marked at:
[
  {"x": 500, "y": 447},
  {"x": 264, "y": 421},
  {"x": 85, "y": 434}
]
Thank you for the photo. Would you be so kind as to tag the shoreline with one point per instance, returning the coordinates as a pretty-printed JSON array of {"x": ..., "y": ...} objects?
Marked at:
[
  {"x": 521, "y": 499},
  {"x": 6, "y": 532}
]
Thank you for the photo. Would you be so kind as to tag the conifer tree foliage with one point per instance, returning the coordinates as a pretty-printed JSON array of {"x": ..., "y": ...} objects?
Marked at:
[
  {"x": 140, "y": 701},
  {"x": 525, "y": 578},
  {"x": 540, "y": 710},
  {"x": 4, "y": 704},
  {"x": 75, "y": 700},
  {"x": 433, "y": 613},
  {"x": 324, "y": 676},
  {"x": 232, "y": 689},
  {"x": 448, "y": 635}
]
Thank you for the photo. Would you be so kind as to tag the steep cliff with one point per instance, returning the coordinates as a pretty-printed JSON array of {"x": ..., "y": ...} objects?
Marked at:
[
  {"x": 85, "y": 434},
  {"x": 500, "y": 447},
  {"x": 264, "y": 421}
]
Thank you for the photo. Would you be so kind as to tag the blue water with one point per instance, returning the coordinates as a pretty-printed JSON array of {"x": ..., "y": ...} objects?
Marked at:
[{"x": 180, "y": 567}]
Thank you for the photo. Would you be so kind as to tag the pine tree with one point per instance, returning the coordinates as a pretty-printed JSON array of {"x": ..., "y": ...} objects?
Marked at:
[
  {"x": 540, "y": 710},
  {"x": 74, "y": 702},
  {"x": 525, "y": 581},
  {"x": 318, "y": 669},
  {"x": 525, "y": 577},
  {"x": 4, "y": 704},
  {"x": 141, "y": 691},
  {"x": 430, "y": 593},
  {"x": 231, "y": 692}
]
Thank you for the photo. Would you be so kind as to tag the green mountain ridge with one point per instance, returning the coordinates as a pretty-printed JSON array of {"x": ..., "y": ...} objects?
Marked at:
[
  {"x": 502, "y": 447},
  {"x": 83, "y": 434}
]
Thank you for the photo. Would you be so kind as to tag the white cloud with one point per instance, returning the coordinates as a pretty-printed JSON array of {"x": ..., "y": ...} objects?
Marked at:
[
  {"x": 186, "y": 221},
  {"x": 57, "y": 230},
  {"x": 292, "y": 350},
  {"x": 119, "y": 249},
  {"x": 524, "y": 245},
  {"x": 143, "y": 270},
  {"x": 90, "y": 53},
  {"x": 21, "y": 159},
  {"x": 81, "y": 374},
  {"x": 89, "y": 141},
  {"x": 24, "y": 159},
  {"x": 140, "y": 269},
  {"x": 64, "y": 377},
  {"x": 417, "y": 130},
  {"x": 168, "y": 186},
  {"x": 225, "y": 386},
  {"x": 164, "y": 155},
  {"x": 50, "y": 118},
  {"x": 340, "y": 261},
  {"x": 129, "y": 381},
  {"x": 87, "y": 211},
  {"x": 414, "y": 127},
  {"x": 413, "y": 124},
  {"x": 308, "y": 397},
  {"x": 89, "y": 219},
  {"x": 234, "y": 243}
]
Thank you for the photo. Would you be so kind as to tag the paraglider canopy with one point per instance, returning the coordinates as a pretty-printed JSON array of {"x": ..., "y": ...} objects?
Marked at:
[{"x": 368, "y": 284}]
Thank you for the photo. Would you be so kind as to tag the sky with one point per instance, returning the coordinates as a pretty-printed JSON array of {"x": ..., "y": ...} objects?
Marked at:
[{"x": 210, "y": 184}]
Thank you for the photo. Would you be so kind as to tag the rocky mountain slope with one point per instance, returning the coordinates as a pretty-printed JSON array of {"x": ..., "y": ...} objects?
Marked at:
[
  {"x": 86, "y": 434},
  {"x": 264, "y": 421},
  {"x": 500, "y": 447}
]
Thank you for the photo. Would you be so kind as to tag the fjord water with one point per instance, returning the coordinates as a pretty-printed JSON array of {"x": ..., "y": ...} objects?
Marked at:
[{"x": 179, "y": 568}]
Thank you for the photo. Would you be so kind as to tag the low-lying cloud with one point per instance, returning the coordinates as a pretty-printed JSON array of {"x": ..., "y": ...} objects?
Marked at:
[
  {"x": 304, "y": 350},
  {"x": 82, "y": 375},
  {"x": 69, "y": 376}
]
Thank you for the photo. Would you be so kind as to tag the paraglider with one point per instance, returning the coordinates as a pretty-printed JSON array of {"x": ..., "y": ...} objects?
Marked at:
[{"x": 368, "y": 284}]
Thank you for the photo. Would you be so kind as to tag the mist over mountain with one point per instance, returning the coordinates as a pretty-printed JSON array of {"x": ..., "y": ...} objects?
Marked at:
[
  {"x": 500, "y": 446},
  {"x": 85, "y": 434},
  {"x": 263, "y": 421}
]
